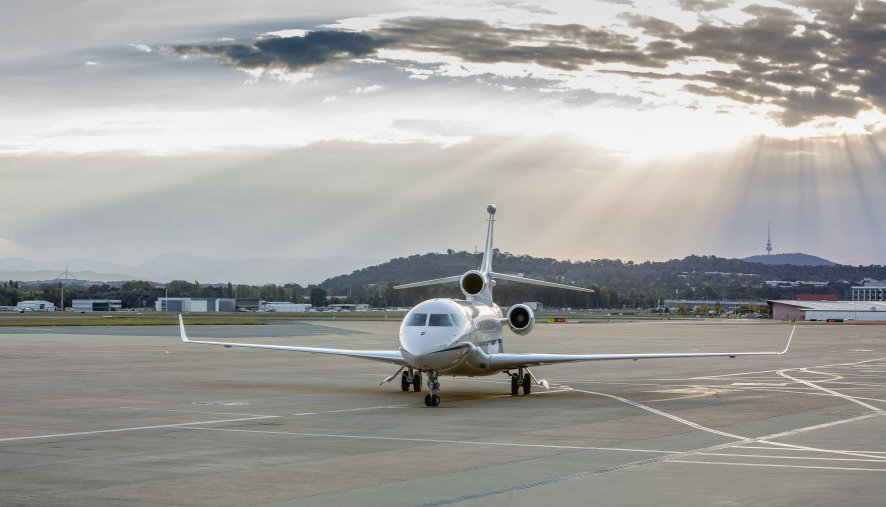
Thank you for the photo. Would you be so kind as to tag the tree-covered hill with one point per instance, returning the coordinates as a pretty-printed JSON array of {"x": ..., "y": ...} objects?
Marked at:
[{"x": 618, "y": 283}]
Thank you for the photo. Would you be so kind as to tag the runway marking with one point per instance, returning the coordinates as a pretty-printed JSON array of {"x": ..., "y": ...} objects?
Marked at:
[
  {"x": 830, "y": 391},
  {"x": 775, "y": 465},
  {"x": 675, "y": 457},
  {"x": 137, "y": 428},
  {"x": 424, "y": 440},
  {"x": 879, "y": 459},
  {"x": 365, "y": 408},
  {"x": 148, "y": 409},
  {"x": 664, "y": 414},
  {"x": 808, "y": 450}
]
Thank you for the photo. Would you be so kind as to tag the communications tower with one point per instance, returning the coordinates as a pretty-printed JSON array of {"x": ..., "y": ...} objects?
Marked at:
[{"x": 768, "y": 238}]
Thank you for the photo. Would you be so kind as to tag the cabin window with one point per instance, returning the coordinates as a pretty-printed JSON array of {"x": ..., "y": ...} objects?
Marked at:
[
  {"x": 440, "y": 319},
  {"x": 458, "y": 319},
  {"x": 417, "y": 319}
]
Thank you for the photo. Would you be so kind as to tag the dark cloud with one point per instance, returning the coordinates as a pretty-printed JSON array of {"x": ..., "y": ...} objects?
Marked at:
[
  {"x": 564, "y": 47},
  {"x": 291, "y": 53},
  {"x": 806, "y": 67}
]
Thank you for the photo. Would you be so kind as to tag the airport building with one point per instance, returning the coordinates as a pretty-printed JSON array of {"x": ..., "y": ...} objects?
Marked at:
[
  {"x": 35, "y": 306},
  {"x": 183, "y": 305},
  {"x": 674, "y": 304},
  {"x": 283, "y": 306},
  {"x": 828, "y": 311},
  {"x": 869, "y": 290},
  {"x": 96, "y": 305}
]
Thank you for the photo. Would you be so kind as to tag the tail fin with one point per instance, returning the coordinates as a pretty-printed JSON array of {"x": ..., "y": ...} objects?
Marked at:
[{"x": 486, "y": 265}]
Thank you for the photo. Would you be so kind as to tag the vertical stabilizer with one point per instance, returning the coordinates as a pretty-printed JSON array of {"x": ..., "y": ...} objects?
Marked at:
[{"x": 486, "y": 265}]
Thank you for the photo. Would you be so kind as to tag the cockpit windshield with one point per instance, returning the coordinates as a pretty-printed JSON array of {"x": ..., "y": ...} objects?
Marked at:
[
  {"x": 446, "y": 319},
  {"x": 422, "y": 319},
  {"x": 417, "y": 319},
  {"x": 440, "y": 319}
]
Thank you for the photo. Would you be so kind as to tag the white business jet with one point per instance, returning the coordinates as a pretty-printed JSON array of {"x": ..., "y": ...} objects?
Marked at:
[{"x": 464, "y": 336}]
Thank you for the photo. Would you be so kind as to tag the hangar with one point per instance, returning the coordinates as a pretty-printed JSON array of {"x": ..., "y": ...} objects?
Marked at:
[
  {"x": 828, "y": 310},
  {"x": 96, "y": 305},
  {"x": 167, "y": 304}
]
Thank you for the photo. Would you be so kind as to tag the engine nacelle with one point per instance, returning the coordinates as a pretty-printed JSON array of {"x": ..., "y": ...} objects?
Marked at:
[
  {"x": 521, "y": 319},
  {"x": 472, "y": 283}
]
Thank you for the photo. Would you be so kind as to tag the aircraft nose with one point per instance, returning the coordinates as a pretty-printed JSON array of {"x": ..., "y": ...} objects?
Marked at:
[{"x": 426, "y": 340}]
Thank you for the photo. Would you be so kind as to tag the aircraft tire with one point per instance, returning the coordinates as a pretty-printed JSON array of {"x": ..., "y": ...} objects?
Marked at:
[
  {"x": 435, "y": 401},
  {"x": 515, "y": 385},
  {"x": 527, "y": 384},
  {"x": 416, "y": 382},
  {"x": 404, "y": 381}
]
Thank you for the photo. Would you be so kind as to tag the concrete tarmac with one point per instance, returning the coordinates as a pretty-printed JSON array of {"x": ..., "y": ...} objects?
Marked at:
[{"x": 133, "y": 417}]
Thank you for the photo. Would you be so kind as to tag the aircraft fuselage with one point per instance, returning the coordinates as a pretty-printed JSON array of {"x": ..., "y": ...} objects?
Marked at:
[{"x": 451, "y": 336}]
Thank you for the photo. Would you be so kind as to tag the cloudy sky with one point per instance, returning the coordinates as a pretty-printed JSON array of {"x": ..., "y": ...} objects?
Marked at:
[{"x": 378, "y": 129}]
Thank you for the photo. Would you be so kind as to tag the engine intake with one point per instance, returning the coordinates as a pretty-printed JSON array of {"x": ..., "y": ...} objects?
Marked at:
[
  {"x": 521, "y": 319},
  {"x": 472, "y": 283}
]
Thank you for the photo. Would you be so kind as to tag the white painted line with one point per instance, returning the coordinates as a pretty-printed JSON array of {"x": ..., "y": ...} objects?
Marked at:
[
  {"x": 365, "y": 408},
  {"x": 148, "y": 409},
  {"x": 777, "y": 466},
  {"x": 425, "y": 440},
  {"x": 138, "y": 428},
  {"x": 810, "y": 458},
  {"x": 832, "y": 392},
  {"x": 665, "y": 414},
  {"x": 805, "y": 449}
]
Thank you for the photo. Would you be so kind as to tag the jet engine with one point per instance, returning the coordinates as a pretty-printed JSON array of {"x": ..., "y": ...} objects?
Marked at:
[
  {"x": 521, "y": 319},
  {"x": 472, "y": 283}
]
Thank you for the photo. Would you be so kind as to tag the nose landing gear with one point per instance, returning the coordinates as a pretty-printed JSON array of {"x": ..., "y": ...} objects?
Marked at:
[{"x": 432, "y": 399}]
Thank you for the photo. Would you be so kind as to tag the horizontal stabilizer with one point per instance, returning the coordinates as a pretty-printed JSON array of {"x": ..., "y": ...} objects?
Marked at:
[
  {"x": 512, "y": 278},
  {"x": 437, "y": 281}
]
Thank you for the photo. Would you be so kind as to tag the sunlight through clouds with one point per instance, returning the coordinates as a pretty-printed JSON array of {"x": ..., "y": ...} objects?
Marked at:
[{"x": 640, "y": 130}]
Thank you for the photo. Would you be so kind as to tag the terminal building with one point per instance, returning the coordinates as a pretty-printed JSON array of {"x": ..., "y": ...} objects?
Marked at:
[
  {"x": 283, "y": 306},
  {"x": 184, "y": 305},
  {"x": 828, "y": 311},
  {"x": 35, "y": 306},
  {"x": 96, "y": 305},
  {"x": 869, "y": 290}
]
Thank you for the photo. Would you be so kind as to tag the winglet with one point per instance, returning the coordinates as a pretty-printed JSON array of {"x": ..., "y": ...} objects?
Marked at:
[
  {"x": 181, "y": 328},
  {"x": 786, "y": 347}
]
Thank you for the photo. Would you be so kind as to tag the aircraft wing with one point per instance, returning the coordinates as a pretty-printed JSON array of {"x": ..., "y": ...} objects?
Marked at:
[
  {"x": 387, "y": 356},
  {"x": 512, "y": 361}
]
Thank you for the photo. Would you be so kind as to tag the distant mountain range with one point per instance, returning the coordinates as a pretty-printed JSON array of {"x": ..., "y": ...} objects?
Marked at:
[
  {"x": 795, "y": 259},
  {"x": 177, "y": 266},
  {"x": 264, "y": 270}
]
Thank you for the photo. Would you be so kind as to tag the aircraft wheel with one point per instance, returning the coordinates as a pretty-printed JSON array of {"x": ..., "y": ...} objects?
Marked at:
[
  {"x": 404, "y": 381},
  {"x": 435, "y": 401},
  {"x": 515, "y": 385},
  {"x": 427, "y": 400},
  {"x": 527, "y": 384},
  {"x": 416, "y": 382}
]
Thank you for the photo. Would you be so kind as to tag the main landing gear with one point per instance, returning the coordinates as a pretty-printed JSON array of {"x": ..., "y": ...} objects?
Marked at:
[
  {"x": 524, "y": 380},
  {"x": 411, "y": 379}
]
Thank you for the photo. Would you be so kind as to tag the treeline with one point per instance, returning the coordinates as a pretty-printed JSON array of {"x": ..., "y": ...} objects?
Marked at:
[
  {"x": 617, "y": 283},
  {"x": 143, "y": 294}
]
